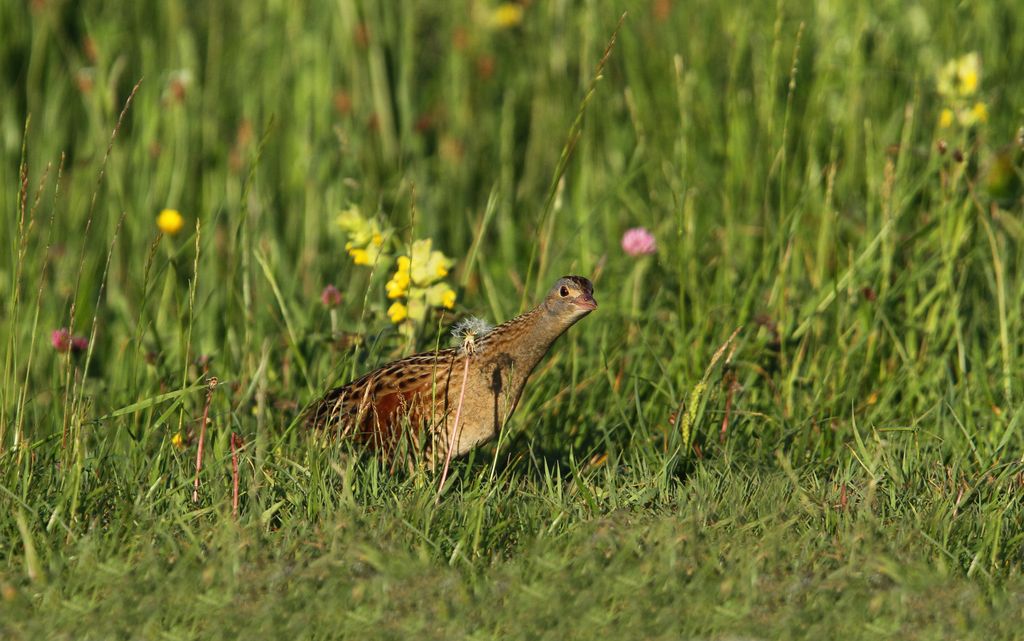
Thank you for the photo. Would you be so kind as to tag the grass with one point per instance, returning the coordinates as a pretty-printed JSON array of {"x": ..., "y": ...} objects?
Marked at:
[{"x": 852, "y": 464}]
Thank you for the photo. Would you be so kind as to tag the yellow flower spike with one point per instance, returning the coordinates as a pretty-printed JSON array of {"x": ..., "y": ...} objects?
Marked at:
[
  {"x": 365, "y": 236},
  {"x": 178, "y": 441},
  {"x": 417, "y": 278},
  {"x": 398, "y": 312},
  {"x": 946, "y": 118},
  {"x": 170, "y": 221},
  {"x": 507, "y": 15}
]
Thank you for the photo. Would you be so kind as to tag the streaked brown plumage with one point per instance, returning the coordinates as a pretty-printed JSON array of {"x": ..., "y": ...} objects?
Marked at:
[{"x": 418, "y": 396}]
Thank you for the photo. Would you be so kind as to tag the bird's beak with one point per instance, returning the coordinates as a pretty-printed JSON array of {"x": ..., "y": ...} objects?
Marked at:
[{"x": 586, "y": 301}]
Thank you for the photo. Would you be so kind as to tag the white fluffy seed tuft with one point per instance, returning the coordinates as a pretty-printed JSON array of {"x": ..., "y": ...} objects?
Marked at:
[{"x": 468, "y": 330}]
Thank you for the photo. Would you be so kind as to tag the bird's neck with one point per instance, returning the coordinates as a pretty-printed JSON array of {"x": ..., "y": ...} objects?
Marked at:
[
  {"x": 508, "y": 354},
  {"x": 528, "y": 336}
]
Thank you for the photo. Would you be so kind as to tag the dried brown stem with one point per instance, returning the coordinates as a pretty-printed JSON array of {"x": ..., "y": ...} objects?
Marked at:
[{"x": 202, "y": 438}]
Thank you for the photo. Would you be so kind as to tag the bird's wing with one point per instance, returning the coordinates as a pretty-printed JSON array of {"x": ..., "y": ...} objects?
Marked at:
[{"x": 376, "y": 402}]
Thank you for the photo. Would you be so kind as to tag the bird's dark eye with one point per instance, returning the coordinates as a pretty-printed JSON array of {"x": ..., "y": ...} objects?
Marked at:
[{"x": 564, "y": 291}]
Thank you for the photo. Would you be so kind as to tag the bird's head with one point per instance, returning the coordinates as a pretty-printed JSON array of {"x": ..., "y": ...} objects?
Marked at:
[{"x": 571, "y": 298}]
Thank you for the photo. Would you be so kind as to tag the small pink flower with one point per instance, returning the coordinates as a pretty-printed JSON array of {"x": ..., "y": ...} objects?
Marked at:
[
  {"x": 638, "y": 241},
  {"x": 330, "y": 297},
  {"x": 61, "y": 339}
]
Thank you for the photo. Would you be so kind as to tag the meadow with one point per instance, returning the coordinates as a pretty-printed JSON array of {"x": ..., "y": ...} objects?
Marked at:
[{"x": 797, "y": 418}]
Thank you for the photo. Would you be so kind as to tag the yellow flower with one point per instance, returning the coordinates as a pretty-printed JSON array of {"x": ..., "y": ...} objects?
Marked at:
[
  {"x": 397, "y": 287},
  {"x": 427, "y": 265},
  {"x": 359, "y": 256},
  {"x": 507, "y": 15},
  {"x": 968, "y": 73},
  {"x": 946, "y": 118},
  {"x": 968, "y": 83},
  {"x": 352, "y": 221},
  {"x": 980, "y": 111},
  {"x": 178, "y": 441},
  {"x": 398, "y": 312},
  {"x": 365, "y": 236},
  {"x": 448, "y": 300},
  {"x": 976, "y": 114},
  {"x": 440, "y": 295},
  {"x": 960, "y": 76},
  {"x": 417, "y": 279},
  {"x": 399, "y": 282},
  {"x": 170, "y": 221}
]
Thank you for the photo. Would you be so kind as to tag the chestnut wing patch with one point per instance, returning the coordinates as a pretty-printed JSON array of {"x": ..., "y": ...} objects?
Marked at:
[{"x": 377, "y": 408}]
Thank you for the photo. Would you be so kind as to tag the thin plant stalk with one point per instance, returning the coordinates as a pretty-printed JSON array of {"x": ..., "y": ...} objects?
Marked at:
[
  {"x": 202, "y": 438},
  {"x": 234, "y": 475},
  {"x": 453, "y": 439}
]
